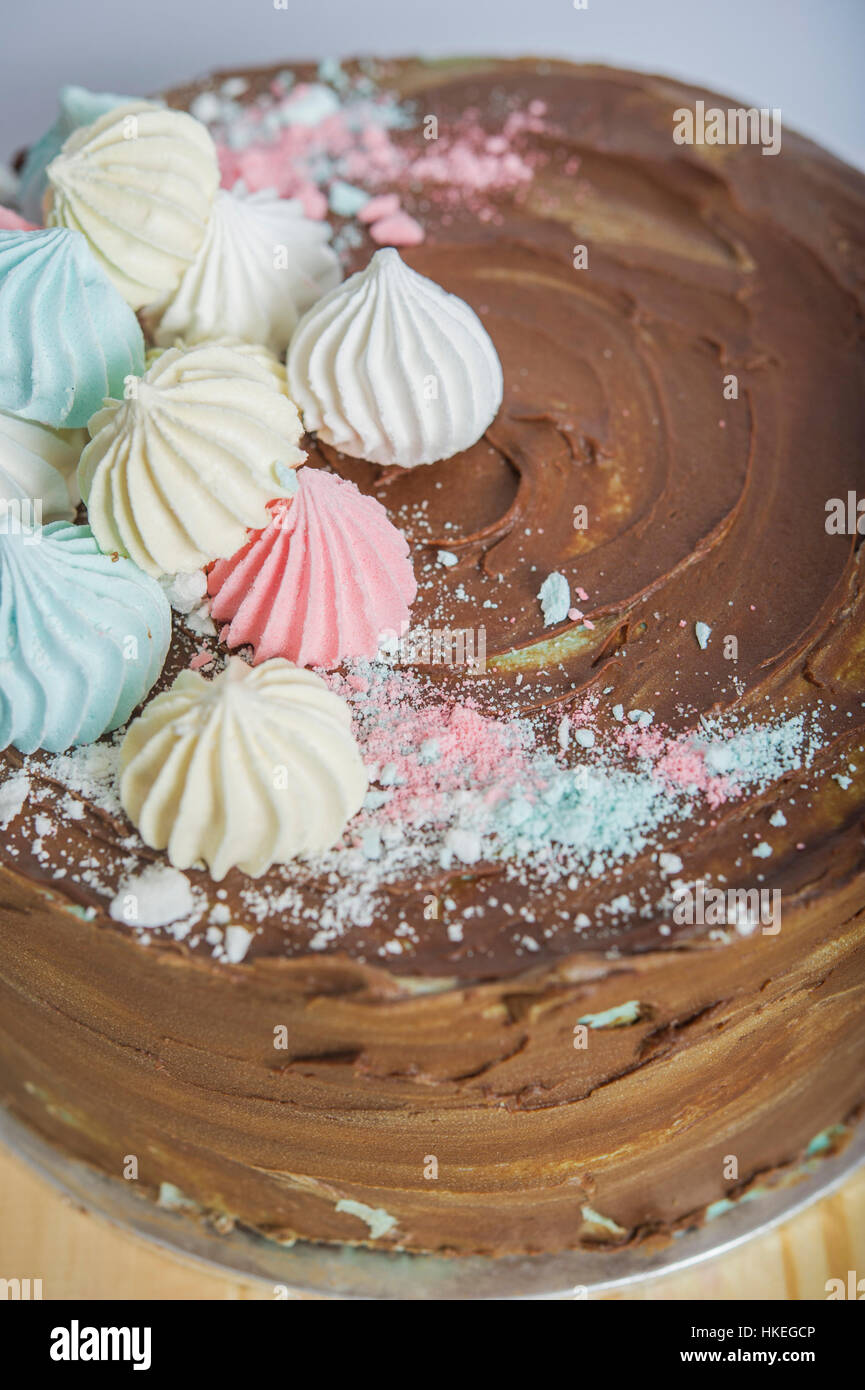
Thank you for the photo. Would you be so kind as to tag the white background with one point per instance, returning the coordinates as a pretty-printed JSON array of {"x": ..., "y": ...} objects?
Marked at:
[{"x": 804, "y": 56}]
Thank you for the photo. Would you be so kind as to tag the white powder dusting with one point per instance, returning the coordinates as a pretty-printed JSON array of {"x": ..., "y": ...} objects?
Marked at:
[
  {"x": 13, "y": 793},
  {"x": 157, "y": 897}
]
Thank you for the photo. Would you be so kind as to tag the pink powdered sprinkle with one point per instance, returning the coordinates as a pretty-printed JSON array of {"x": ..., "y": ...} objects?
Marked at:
[
  {"x": 290, "y": 163},
  {"x": 399, "y": 230},
  {"x": 469, "y": 748},
  {"x": 471, "y": 159},
  {"x": 200, "y": 659},
  {"x": 677, "y": 762},
  {"x": 11, "y": 222},
  {"x": 642, "y": 743},
  {"x": 586, "y": 712}
]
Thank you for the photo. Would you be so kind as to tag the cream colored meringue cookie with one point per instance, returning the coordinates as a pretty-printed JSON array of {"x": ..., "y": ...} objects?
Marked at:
[
  {"x": 38, "y": 466},
  {"x": 175, "y": 474},
  {"x": 390, "y": 367},
  {"x": 140, "y": 183},
  {"x": 262, "y": 355},
  {"x": 261, "y": 265},
  {"x": 252, "y": 768},
  {"x": 275, "y": 366}
]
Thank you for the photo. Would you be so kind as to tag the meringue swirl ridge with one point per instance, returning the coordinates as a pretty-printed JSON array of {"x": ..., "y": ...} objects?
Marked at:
[
  {"x": 82, "y": 638},
  {"x": 67, "y": 339}
]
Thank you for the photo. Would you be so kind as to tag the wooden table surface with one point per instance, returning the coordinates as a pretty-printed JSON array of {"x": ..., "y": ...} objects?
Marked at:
[{"x": 77, "y": 1255}]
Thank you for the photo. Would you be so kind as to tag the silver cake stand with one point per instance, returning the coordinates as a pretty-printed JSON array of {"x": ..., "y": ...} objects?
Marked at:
[{"x": 343, "y": 1272}]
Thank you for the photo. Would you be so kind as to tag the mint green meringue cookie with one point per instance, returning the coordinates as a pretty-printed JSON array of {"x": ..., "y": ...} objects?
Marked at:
[
  {"x": 82, "y": 638},
  {"x": 78, "y": 107},
  {"x": 68, "y": 340}
]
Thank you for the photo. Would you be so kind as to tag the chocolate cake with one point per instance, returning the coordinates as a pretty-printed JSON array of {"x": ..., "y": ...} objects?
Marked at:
[{"x": 588, "y": 965}]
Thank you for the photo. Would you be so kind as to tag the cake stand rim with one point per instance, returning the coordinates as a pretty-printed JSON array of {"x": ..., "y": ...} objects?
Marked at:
[{"x": 309, "y": 1269}]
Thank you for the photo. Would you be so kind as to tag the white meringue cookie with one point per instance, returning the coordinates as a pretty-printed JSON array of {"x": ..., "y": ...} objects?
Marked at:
[
  {"x": 37, "y": 464},
  {"x": 261, "y": 265},
  {"x": 390, "y": 367},
  {"x": 252, "y": 768},
  {"x": 174, "y": 475},
  {"x": 140, "y": 184}
]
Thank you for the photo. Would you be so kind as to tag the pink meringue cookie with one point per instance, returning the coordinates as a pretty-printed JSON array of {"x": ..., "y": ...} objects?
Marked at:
[
  {"x": 321, "y": 582},
  {"x": 11, "y": 221}
]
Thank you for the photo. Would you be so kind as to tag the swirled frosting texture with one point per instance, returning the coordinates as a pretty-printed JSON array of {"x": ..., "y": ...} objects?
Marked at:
[
  {"x": 82, "y": 638},
  {"x": 78, "y": 107},
  {"x": 175, "y": 475},
  {"x": 139, "y": 183},
  {"x": 391, "y": 368},
  {"x": 322, "y": 582},
  {"x": 261, "y": 265},
  {"x": 38, "y": 464},
  {"x": 67, "y": 339},
  {"x": 252, "y": 768}
]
